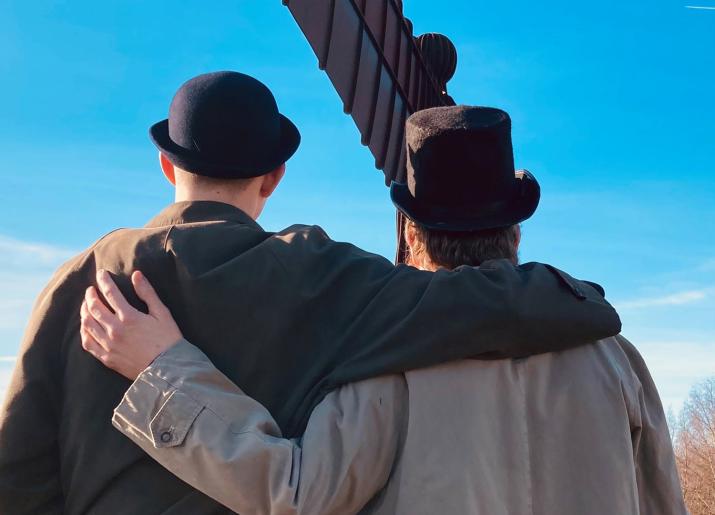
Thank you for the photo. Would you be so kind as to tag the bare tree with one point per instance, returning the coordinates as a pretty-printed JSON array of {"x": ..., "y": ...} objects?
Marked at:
[{"x": 694, "y": 444}]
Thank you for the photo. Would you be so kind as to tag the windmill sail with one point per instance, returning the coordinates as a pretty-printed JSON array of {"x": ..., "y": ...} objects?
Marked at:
[{"x": 367, "y": 49}]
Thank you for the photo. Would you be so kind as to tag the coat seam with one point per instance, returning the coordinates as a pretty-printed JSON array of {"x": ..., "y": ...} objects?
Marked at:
[{"x": 525, "y": 436}]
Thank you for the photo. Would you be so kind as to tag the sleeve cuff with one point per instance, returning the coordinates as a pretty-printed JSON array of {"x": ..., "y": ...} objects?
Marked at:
[
  {"x": 163, "y": 403},
  {"x": 153, "y": 408},
  {"x": 172, "y": 364}
]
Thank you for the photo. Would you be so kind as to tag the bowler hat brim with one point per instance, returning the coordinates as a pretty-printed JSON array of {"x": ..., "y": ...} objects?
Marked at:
[
  {"x": 191, "y": 161},
  {"x": 514, "y": 209}
]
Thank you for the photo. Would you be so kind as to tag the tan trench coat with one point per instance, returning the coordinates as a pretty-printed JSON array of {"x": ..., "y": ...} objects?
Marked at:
[{"x": 580, "y": 432}]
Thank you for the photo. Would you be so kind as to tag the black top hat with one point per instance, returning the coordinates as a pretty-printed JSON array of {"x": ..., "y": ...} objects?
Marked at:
[
  {"x": 226, "y": 125},
  {"x": 460, "y": 171}
]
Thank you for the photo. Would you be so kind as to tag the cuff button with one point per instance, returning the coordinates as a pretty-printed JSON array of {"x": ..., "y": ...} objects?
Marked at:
[{"x": 165, "y": 436}]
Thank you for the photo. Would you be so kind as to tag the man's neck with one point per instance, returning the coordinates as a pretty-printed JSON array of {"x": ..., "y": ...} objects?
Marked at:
[{"x": 243, "y": 202}]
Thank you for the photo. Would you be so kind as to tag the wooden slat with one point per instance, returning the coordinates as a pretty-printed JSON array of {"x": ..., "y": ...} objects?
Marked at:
[{"x": 369, "y": 55}]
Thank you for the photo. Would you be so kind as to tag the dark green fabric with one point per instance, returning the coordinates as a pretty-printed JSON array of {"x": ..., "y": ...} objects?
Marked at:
[{"x": 287, "y": 316}]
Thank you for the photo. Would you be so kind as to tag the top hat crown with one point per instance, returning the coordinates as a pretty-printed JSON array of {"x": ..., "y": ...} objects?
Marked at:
[
  {"x": 227, "y": 125},
  {"x": 460, "y": 171}
]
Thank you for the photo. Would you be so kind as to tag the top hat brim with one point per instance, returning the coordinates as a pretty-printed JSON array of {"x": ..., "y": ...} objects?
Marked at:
[
  {"x": 514, "y": 209},
  {"x": 194, "y": 162}
]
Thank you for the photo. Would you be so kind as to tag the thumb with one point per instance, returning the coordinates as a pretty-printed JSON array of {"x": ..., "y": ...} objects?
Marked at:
[{"x": 147, "y": 293}]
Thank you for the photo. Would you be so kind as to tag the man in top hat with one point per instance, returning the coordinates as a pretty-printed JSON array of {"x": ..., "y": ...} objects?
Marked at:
[
  {"x": 576, "y": 432},
  {"x": 288, "y": 316}
]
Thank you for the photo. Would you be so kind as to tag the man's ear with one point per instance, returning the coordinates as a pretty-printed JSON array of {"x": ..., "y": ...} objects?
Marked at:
[
  {"x": 168, "y": 168},
  {"x": 271, "y": 180},
  {"x": 410, "y": 236},
  {"x": 411, "y": 239}
]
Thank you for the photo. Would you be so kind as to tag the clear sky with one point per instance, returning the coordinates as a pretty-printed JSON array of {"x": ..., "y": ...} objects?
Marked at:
[{"x": 612, "y": 102}]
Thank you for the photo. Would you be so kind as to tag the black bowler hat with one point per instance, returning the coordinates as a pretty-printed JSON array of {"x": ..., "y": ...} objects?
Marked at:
[
  {"x": 225, "y": 125},
  {"x": 460, "y": 171}
]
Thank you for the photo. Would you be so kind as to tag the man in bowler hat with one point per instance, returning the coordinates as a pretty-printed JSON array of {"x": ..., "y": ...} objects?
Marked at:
[
  {"x": 575, "y": 432},
  {"x": 287, "y": 316}
]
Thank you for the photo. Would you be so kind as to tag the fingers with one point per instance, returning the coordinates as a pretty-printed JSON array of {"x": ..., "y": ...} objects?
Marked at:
[
  {"x": 147, "y": 293},
  {"x": 92, "y": 329},
  {"x": 114, "y": 297},
  {"x": 90, "y": 345},
  {"x": 98, "y": 310}
]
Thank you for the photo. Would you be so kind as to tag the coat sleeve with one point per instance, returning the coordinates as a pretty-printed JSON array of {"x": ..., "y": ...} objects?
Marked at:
[
  {"x": 195, "y": 422},
  {"x": 389, "y": 319},
  {"x": 659, "y": 489},
  {"x": 29, "y": 455}
]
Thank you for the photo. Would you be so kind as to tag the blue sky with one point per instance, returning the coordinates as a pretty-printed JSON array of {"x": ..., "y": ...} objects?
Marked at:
[{"x": 613, "y": 111}]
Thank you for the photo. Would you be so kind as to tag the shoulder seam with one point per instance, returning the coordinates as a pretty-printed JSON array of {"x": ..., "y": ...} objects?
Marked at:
[
  {"x": 280, "y": 262},
  {"x": 168, "y": 233}
]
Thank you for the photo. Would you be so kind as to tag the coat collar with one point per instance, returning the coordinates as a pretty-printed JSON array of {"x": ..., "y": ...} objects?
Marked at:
[{"x": 188, "y": 212}]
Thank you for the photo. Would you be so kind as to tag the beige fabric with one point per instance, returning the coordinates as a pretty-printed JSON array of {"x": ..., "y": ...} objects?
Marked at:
[
  {"x": 578, "y": 432},
  {"x": 574, "y": 433},
  {"x": 199, "y": 425}
]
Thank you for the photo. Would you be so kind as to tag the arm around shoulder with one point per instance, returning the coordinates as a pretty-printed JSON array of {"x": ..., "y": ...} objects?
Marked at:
[
  {"x": 495, "y": 311},
  {"x": 199, "y": 425}
]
